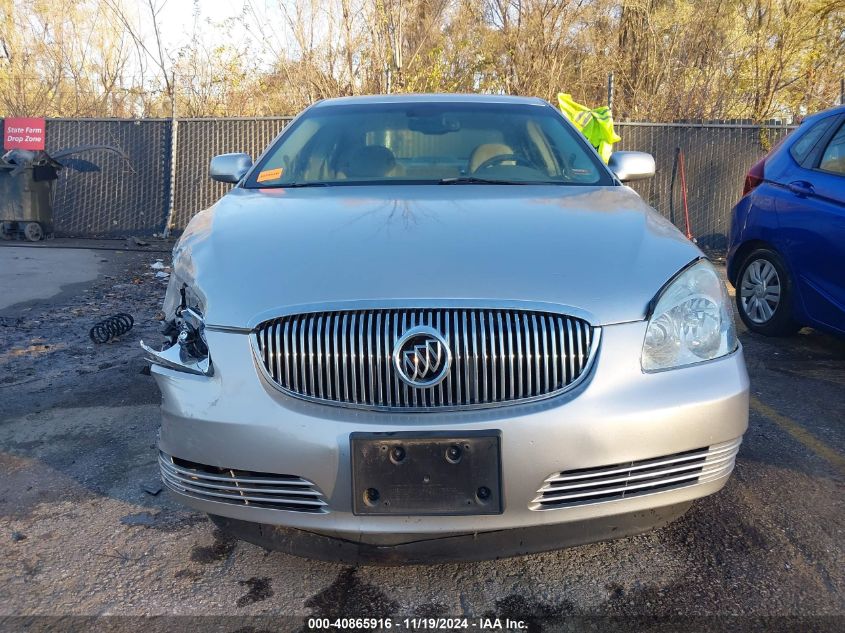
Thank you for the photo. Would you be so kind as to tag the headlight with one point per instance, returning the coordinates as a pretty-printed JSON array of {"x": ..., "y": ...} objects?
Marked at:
[{"x": 691, "y": 322}]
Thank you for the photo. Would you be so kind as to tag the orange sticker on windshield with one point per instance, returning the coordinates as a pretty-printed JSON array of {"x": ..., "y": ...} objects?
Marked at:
[{"x": 270, "y": 174}]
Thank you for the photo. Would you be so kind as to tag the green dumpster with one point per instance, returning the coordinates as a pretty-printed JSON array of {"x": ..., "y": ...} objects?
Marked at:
[{"x": 26, "y": 195}]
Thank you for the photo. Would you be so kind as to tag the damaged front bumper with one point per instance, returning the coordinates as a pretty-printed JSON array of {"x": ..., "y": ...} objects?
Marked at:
[
  {"x": 241, "y": 435},
  {"x": 427, "y": 549}
]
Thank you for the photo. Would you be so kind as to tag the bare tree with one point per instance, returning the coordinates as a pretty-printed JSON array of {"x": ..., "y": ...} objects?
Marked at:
[{"x": 672, "y": 59}]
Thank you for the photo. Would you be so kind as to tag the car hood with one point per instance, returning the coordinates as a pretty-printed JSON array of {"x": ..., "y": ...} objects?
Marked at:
[{"x": 596, "y": 252}]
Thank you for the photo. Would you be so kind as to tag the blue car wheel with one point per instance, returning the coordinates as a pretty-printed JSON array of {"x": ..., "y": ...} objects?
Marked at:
[{"x": 764, "y": 294}]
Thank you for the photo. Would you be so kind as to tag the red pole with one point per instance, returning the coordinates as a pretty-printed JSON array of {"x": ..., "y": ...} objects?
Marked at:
[{"x": 684, "y": 192}]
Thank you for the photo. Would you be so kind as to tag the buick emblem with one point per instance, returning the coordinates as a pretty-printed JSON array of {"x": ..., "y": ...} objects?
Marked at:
[{"x": 422, "y": 357}]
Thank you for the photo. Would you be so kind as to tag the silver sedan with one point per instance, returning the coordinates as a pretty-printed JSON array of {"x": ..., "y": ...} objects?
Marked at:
[{"x": 427, "y": 328}]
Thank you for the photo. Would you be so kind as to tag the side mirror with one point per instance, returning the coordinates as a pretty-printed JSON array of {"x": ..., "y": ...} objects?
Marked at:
[
  {"x": 229, "y": 167},
  {"x": 630, "y": 166}
]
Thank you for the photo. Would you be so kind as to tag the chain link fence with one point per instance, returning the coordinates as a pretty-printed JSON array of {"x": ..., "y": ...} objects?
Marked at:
[
  {"x": 125, "y": 196},
  {"x": 198, "y": 141},
  {"x": 133, "y": 197},
  {"x": 714, "y": 158}
]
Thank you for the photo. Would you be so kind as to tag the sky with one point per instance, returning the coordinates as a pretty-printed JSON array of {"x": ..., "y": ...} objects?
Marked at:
[
  {"x": 177, "y": 17},
  {"x": 260, "y": 25}
]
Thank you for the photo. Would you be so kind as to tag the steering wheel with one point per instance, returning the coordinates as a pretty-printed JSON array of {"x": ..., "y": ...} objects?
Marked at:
[{"x": 498, "y": 159}]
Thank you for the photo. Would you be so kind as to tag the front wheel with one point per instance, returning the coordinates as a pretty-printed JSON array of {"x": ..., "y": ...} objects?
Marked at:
[{"x": 764, "y": 294}]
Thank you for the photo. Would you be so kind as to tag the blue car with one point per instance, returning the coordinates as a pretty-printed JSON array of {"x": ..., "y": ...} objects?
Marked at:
[{"x": 786, "y": 255}]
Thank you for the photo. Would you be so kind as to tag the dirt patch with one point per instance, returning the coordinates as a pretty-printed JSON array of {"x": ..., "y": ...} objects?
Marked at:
[
  {"x": 352, "y": 597},
  {"x": 259, "y": 589},
  {"x": 219, "y": 550}
]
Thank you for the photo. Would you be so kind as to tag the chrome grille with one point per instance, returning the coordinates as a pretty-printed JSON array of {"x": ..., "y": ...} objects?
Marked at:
[
  {"x": 226, "y": 485},
  {"x": 622, "y": 481},
  {"x": 498, "y": 356}
]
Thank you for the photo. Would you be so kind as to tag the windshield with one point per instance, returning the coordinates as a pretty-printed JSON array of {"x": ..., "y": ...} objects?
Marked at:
[{"x": 422, "y": 142}]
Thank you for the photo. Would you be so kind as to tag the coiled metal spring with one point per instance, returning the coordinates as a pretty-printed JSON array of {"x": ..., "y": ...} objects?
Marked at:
[{"x": 111, "y": 327}]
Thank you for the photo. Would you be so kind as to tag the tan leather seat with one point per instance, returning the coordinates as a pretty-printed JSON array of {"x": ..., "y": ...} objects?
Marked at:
[
  {"x": 367, "y": 161},
  {"x": 485, "y": 152}
]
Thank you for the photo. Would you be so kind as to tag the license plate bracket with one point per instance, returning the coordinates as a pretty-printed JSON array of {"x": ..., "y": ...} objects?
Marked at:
[{"x": 426, "y": 473}]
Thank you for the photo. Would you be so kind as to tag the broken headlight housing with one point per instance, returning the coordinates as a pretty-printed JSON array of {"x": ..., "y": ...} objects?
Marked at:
[
  {"x": 186, "y": 348},
  {"x": 691, "y": 321}
]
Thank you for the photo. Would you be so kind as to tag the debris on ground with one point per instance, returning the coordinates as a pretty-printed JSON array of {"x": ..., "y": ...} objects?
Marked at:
[
  {"x": 152, "y": 488},
  {"x": 18, "y": 536},
  {"x": 139, "y": 242},
  {"x": 42, "y": 345},
  {"x": 111, "y": 327},
  {"x": 158, "y": 265}
]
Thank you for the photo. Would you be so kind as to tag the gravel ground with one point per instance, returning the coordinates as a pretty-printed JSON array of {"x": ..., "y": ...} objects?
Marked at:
[{"x": 85, "y": 532}]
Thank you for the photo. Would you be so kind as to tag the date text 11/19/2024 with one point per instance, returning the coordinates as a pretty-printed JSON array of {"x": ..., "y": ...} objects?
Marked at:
[{"x": 417, "y": 624}]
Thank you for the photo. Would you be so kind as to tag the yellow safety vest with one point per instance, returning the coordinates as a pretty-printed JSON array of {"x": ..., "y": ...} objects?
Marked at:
[{"x": 595, "y": 124}]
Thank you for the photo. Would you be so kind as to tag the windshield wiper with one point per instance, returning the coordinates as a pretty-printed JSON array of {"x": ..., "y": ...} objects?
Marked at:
[{"x": 474, "y": 180}]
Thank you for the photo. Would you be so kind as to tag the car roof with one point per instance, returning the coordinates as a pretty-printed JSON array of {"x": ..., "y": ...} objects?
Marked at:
[
  {"x": 824, "y": 114},
  {"x": 430, "y": 98}
]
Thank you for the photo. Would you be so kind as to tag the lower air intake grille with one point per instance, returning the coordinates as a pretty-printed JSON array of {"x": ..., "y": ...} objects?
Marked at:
[
  {"x": 622, "y": 481},
  {"x": 240, "y": 487}
]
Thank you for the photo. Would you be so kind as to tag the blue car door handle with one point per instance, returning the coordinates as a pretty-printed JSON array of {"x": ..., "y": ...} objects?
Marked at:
[{"x": 801, "y": 188}]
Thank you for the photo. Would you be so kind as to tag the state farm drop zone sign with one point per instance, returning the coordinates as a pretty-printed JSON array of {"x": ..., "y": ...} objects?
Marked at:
[{"x": 23, "y": 133}]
